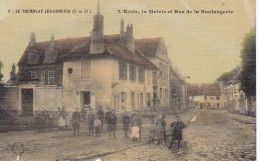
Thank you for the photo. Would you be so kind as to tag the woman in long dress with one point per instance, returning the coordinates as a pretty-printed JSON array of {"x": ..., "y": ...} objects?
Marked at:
[
  {"x": 61, "y": 121},
  {"x": 65, "y": 117}
]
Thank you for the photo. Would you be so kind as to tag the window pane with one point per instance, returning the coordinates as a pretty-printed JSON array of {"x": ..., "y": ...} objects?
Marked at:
[
  {"x": 122, "y": 71},
  {"x": 123, "y": 100},
  {"x": 132, "y": 73},
  {"x": 51, "y": 77},
  {"x": 141, "y": 74}
]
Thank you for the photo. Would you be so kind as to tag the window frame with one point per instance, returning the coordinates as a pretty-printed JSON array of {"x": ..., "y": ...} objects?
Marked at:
[
  {"x": 33, "y": 73},
  {"x": 131, "y": 67},
  {"x": 124, "y": 71},
  {"x": 141, "y": 74}
]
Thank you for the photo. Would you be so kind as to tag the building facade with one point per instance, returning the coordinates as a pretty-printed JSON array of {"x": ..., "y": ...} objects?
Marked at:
[
  {"x": 205, "y": 96},
  {"x": 116, "y": 71}
]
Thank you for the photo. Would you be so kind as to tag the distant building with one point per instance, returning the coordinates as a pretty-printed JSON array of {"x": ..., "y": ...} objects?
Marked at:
[
  {"x": 205, "y": 96},
  {"x": 235, "y": 99}
]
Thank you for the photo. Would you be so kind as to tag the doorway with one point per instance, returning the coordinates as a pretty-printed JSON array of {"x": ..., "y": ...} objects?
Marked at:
[
  {"x": 27, "y": 102},
  {"x": 85, "y": 98}
]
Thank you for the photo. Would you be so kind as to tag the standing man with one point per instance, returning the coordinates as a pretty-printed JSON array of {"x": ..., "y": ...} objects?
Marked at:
[
  {"x": 101, "y": 116},
  {"x": 126, "y": 120},
  {"x": 113, "y": 120},
  {"x": 177, "y": 131},
  {"x": 107, "y": 118},
  {"x": 76, "y": 121},
  {"x": 163, "y": 123},
  {"x": 91, "y": 120}
]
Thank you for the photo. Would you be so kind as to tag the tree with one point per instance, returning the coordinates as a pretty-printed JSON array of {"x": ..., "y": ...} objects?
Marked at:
[
  {"x": 248, "y": 55},
  {"x": 1, "y": 75},
  {"x": 228, "y": 76}
]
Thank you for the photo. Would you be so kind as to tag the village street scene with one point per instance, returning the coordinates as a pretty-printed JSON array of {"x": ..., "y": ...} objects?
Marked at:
[{"x": 123, "y": 96}]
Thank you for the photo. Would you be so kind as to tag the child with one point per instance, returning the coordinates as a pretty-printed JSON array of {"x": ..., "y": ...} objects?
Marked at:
[{"x": 97, "y": 125}]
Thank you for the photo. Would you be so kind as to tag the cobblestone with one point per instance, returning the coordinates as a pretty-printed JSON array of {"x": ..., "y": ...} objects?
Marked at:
[{"x": 213, "y": 136}]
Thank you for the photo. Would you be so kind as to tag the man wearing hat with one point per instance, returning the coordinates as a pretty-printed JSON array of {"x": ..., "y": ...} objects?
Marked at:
[
  {"x": 76, "y": 120},
  {"x": 177, "y": 131}
]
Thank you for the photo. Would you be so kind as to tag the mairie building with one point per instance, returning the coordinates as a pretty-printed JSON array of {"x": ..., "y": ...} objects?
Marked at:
[{"x": 115, "y": 71}]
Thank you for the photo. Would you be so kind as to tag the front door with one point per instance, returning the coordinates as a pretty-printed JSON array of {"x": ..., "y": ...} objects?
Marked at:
[
  {"x": 27, "y": 102},
  {"x": 86, "y": 98}
]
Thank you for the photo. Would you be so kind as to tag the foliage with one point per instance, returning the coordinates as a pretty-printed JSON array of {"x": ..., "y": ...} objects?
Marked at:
[
  {"x": 1, "y": 75},
  {"x": 248, "y": 55},
  {"x": 227, "y": 76}
]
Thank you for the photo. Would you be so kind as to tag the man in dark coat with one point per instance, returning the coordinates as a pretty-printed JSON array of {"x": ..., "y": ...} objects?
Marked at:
[
  {"x": 91, "y": 120},
  {"x": 112, "y": 123},
  {"x": 163, "y": 122},
  {"x": 107, "y": 118},
  {"x": 177, "y": 131},
  {"x": 76, "y": 121},
  {"x": 126, "y": 120},
  {"x": 101, "y": 116}
]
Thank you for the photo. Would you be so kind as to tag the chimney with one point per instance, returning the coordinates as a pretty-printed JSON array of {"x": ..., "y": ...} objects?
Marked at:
[
  {"x": 130, "y": 42},
  {"x": 52, "y": 41},
  {"x": 32, "y": 39},
  {"x": 122, "y": 32},
  {"x": 12, "y": 73}
]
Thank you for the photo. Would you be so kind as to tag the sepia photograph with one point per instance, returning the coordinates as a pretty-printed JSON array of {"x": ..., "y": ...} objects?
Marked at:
[{"x": 128, "y": 80}]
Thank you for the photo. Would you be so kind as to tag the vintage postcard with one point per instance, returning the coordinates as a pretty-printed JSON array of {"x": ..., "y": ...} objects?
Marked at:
[{"x": 148, "y": 80}]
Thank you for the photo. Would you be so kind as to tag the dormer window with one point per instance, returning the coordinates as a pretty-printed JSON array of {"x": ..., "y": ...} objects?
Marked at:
[
  {"x": 50, "y": 56},
  {"x": 33, "y": 57}
]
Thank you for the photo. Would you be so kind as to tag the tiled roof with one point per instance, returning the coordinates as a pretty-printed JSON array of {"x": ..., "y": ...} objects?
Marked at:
[
  {"x": 75, "y": 48},
  {"x": 147, "y": 46},
  {"x": 210, "y": 89}
]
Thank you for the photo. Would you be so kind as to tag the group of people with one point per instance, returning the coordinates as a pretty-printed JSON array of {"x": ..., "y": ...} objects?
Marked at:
[
  {"x": 44, "y": 121},
  {"x": 95, "y": 121}
]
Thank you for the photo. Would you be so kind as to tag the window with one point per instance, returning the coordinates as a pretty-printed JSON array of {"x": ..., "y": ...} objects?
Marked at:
[
  {"x": 50, "y": 56},
  {"x": 133, "y": 73},
  {"x": 51, "y": 77},
  {"x": 85, "y": 70},
  {"x": 33, "y": 57},
  {"x": 122, "y": 71},
  {"x": 133, "y": 100},
  {"x": 217, "y": 104},
  {"x": 123, "y": 100},
  {"x": 148, "y": 99},
  {"x": 141, "y": 74},
  {"x": 48, "y": 77},
  {"x": 192, "y": 97},
  {"x": 166, "y": 96},
  {"x": 141, "y": 100},
  {"x": 34, "y": 75},
  {"x": 163, "y": 69},
  {"x": 217, "y": 98},
  {"x": 211, "y": 98},
  {"x": 154, "y": 78},
  {"x": 209, "y": 105},
  {"x": 205, "y": 97},
  {"x": 148, "y": 77}
]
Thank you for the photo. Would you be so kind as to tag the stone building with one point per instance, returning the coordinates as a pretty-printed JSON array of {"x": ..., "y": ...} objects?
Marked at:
[
  {"x": 116, "y": 71},
  {"x": 205, "y": 96}
]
